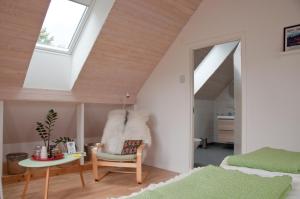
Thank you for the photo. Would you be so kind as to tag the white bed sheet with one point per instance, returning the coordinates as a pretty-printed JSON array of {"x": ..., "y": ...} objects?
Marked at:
[{"x": 294, "y": 193}]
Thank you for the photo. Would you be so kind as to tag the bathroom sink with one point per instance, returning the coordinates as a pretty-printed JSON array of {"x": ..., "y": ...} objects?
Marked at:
[{"x": 226, "y": 117}]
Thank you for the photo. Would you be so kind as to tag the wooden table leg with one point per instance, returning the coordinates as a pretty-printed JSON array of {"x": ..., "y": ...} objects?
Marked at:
[
  {"x": 27, "y": 180},
  {"x": 47, "y": 183},
  {"x": 81, "y": 174}
]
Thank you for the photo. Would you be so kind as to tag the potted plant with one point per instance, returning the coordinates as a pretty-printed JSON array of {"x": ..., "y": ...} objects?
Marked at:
[
  {"x": 45, "y": 128},
  {"x": 61, "y": 143}
]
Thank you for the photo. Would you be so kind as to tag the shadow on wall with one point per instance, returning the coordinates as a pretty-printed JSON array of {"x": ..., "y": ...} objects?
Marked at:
[
  {"x": 20, "y": 122},
  {"x": 152, "y": 123},
  {"x": 95, "y": 118},
  {"x": 156, "y": 155}
]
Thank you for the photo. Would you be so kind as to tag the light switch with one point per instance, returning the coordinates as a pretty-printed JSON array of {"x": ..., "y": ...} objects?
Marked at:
[{"x": 181, "y": 79}]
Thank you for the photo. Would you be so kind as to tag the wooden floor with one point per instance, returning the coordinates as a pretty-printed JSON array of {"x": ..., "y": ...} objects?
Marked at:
[{"x": 69, "y": 186}]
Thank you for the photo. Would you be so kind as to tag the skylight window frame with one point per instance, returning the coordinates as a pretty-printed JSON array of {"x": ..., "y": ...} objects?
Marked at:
[{"x": 89, "y": 5}]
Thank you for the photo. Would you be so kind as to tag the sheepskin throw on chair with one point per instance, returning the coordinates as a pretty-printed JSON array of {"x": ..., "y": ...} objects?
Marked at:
[{"x": 125, "y": 125}]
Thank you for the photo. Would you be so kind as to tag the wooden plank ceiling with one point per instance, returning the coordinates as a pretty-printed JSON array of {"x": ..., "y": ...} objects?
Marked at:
[
  {"x": 134, "y": 38},
  {"x": 20, "y": 24}
]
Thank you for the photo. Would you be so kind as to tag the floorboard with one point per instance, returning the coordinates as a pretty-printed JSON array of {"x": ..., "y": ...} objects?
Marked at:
[{"x": 69, "y": 186}]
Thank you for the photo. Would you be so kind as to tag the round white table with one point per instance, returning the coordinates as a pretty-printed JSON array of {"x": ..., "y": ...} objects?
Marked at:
[{"x": 30, "y": 164}]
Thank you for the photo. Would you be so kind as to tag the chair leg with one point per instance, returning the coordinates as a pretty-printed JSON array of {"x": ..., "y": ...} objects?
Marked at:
[
  {"x": 95, "y": 166},
  {"x": 139, "y": 173}
]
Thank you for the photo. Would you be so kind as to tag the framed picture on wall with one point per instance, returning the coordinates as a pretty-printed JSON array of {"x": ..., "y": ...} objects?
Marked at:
[{"x": 291, "y": 38}]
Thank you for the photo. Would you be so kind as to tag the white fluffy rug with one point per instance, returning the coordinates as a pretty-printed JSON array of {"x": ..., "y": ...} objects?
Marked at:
[{"x": 116, "y": 131}]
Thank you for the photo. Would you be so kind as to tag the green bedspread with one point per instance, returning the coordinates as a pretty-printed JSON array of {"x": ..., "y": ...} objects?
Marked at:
[
  {"x": 216, "y": 183},
  {"x": 275, "y": 160}
]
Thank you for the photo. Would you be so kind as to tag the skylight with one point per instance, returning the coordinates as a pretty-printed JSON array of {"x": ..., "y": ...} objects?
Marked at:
[
  {"x": 62, "y": 26},
  {"x": 55, "y": 71}
]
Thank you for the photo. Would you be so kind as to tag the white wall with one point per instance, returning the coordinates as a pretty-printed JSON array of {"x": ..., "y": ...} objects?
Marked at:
[
  {"x": 271, "y": 79},
  {"x": 204, "y": 119}
]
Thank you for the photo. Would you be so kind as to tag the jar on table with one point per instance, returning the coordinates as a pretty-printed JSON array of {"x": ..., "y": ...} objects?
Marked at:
[{"x": 37, "y": 151}]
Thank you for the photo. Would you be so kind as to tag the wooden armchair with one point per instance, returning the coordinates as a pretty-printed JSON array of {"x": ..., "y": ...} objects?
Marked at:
[{"x": 100, "y": 159}]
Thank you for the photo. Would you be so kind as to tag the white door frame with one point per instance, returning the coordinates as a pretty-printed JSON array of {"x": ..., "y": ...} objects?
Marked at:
[{"x": 211, "y": 42}]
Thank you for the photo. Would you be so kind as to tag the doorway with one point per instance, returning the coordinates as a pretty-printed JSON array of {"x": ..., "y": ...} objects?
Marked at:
[{"x": 216, "y": 102}]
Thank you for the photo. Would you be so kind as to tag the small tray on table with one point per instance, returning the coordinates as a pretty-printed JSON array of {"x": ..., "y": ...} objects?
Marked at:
[{"x": 57, "y": 157}]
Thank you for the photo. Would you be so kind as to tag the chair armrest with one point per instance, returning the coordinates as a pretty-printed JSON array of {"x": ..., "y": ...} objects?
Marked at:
[
  {"x": 140, "y": 149},
  {"x": 97, "y": 147}
]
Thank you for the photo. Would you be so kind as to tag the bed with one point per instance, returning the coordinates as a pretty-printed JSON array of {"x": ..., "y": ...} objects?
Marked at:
[
  {"x": 213, "y": 182},
  {"x": 268, "y": 162},
  {"x": 293, "y": 194},
  {"x": 208, "y": 179}
]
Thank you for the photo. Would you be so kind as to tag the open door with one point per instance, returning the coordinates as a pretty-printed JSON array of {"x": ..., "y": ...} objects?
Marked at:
[
  {"x": 217, "y": 103},
  {"x": 237, "y": 100}
]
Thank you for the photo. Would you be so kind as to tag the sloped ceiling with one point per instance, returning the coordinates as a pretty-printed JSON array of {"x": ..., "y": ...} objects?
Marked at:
[
  {"x": 134, "y": 38},
  {"x": 20, "y": 24},
  {"x": 218, "y": 81},
  {"x": 200, "y": 54}
]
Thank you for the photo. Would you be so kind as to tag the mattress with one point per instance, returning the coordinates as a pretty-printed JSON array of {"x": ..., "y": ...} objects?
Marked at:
[{"x": 294, "y": 194}]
